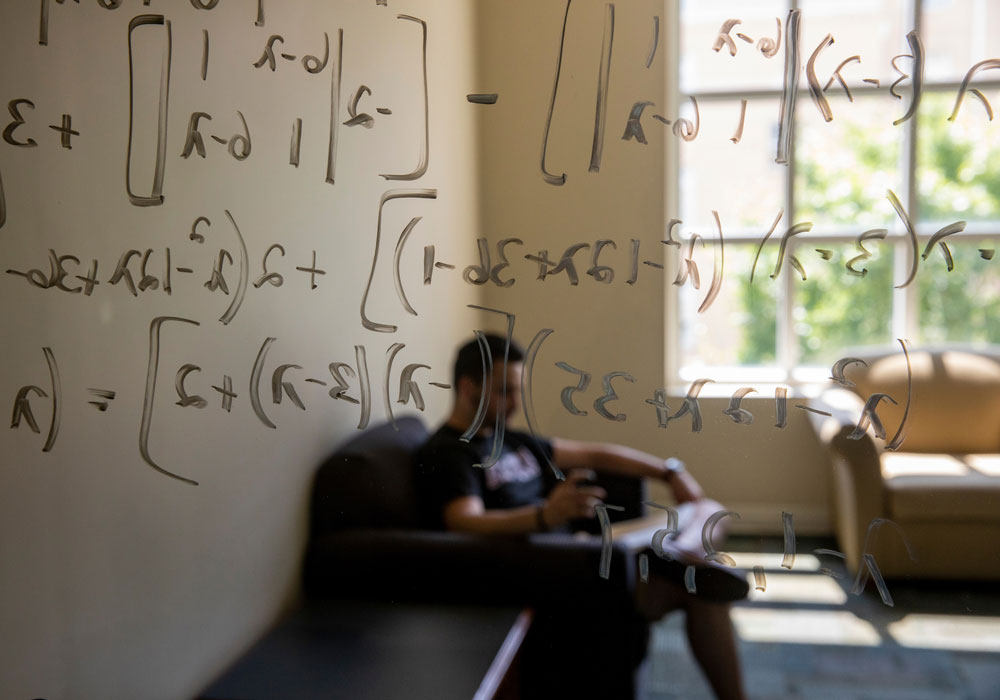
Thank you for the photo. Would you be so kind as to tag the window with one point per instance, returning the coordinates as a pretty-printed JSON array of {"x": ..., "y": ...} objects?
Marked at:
[{"x": 844, "y": 279}]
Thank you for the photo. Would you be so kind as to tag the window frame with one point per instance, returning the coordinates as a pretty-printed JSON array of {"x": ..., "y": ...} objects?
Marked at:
[{"x": 787, "y": 370}]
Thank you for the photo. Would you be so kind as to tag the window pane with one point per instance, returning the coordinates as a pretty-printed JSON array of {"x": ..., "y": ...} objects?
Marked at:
[
  {"x": 739, "y": 327},
  {"x": 835, "y": 310},
  {"x": 845, "y": 166},
  {"x": 959, "y": 161},
  {"x": 703, "y": 69},
  {"x": 739, "y": 180},
  {"x": 873, "y": 30},
  {"x": 962, "y": 305},
  {"x": 957, "y": 34}
]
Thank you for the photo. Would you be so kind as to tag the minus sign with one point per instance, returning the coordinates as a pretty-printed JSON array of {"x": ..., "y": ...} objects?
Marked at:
[
  {"x": 483, "y": 98},
  {"x": 222, "y": 141},
  {"x": 812, "y": 410},
  {"x": 184, "y": 269},
  {"x": 383, "y": 110},
  {"x": 288, "y": 57},
  {"x": 317, "y": 381},
  {"x": 440, "y": 385},
  {"x": 444, "y": 266},
  {"x": 661, "y": 118},
  {"x": 873, "y": 81},
  {"x": 658, "y": 266}
]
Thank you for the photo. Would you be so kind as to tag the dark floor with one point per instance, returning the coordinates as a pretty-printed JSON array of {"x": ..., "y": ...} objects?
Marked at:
[{"x": 807, "y": 636}]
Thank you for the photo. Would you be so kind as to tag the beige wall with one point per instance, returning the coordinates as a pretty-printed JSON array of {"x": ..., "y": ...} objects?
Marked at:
[
  {"x": 599, "y": 328},
  {"x": 118, "y": 581}
]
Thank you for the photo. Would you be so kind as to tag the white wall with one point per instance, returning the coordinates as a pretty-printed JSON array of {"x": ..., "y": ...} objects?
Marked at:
[{"x": 119, "y": 581}]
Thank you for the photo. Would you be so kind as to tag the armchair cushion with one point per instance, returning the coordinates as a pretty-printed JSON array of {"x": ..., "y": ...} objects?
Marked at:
[
  {"x": 955, "y": 406},
  {"x": 929, "y": 487},
  {"x": 942, "y": 487}
]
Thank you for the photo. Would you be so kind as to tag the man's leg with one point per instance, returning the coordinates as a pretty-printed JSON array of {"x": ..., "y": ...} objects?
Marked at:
[
  {"x": 709, "y": 631},
  {"x": 713, "y": 643}
]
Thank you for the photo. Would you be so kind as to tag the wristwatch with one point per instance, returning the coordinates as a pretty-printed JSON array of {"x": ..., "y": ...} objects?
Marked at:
[{"x": 672, "y": 465}]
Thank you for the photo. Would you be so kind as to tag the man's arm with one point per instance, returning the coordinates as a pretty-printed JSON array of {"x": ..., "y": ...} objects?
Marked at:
[
  {"x": 567, "y": 501},
  {"x": 618, "y": 459}
]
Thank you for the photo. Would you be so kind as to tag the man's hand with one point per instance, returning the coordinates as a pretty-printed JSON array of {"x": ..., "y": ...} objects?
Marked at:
[
  {"x": 572, "y": 499},
  {"x": 687, "y": 545},
  {"x": 683, "y": 486}
]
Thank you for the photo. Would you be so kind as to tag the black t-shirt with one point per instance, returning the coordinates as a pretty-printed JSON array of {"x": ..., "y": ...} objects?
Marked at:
[{"x": 445, "y": 471}]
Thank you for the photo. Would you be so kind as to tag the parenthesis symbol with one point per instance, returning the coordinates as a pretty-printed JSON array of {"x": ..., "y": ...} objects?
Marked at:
[
  {"x": 258, "y": 367},
  {"x": 56, "y": 393},
  {"x": 241, "y": 289}
]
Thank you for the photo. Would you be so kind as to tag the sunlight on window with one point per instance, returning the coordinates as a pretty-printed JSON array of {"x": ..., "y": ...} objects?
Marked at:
[
  {"x": 848, "y": 281},
  {"x": 739, "y": 328},
  {"x": 961, "y": 305},
  {"x": 838, "y": 186}
]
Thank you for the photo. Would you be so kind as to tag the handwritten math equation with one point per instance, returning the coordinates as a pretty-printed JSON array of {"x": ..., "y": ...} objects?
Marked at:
[
  {"x": 229, "y": 271},
  {"x": 868, "y": 566},
  {"x": 769, "y": 48},
  {"x": 338, "y": 377},
  {"x": 272, "y": 55},
  {"x": 586, "y": 257},
  {"x": 691, "y": 409},
  {"x": 151, "y": 32},
  {"x": 347, "y": 382},
  {"x": 149, "y": 270},
  {"x": 688, "y": 129}
]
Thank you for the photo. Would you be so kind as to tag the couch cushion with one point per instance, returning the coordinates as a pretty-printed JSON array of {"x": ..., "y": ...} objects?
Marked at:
[
  {"x": 369, "y": 481},
  {"x": 949, "y": 488},
  {"x": 955, "y": 406}
]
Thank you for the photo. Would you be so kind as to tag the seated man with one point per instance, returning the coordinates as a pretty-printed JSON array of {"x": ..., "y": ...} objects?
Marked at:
[{"x": 519, "y": 494}]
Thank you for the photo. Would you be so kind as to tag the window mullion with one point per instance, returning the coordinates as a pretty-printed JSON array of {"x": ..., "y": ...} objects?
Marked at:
[
  {"x": 905, "y": 306},
  {"x": 787, "y": 348}
]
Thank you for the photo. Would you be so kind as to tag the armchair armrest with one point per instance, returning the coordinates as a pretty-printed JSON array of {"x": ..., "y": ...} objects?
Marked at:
[
  {"x": 627, "y": 492},
  {"x": 858, "y": 488}
]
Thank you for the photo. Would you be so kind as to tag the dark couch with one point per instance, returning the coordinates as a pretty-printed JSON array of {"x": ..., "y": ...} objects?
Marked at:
[{"x": 366, "y": 540}]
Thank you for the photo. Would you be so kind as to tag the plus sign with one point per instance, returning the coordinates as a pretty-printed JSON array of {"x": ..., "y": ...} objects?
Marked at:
[
  {"x": 227, "y": 392},
  {"x": 313, "y": 271},
  {"x": 66, "y": 131}
]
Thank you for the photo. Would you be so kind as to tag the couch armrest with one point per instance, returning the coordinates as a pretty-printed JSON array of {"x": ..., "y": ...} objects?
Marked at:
[
  {"x": 858, "y": 489},
  {"x": 543, "y": 569},
  {"x": 627, "y": 492}
]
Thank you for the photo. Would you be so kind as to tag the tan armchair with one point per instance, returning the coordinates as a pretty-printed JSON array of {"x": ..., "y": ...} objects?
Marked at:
[{"x": 942, "y": 486}]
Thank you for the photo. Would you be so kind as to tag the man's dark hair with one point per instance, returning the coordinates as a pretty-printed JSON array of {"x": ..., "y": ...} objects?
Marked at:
[{"x": 469, "y": 362}]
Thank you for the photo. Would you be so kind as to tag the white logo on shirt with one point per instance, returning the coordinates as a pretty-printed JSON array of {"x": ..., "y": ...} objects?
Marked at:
[{"x": 513, "y": 466}]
